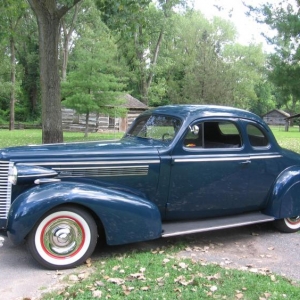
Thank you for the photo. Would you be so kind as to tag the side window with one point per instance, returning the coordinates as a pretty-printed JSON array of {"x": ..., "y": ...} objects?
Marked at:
[
  {"x": 256, "y": 137},
  {"x": 213, "y": 134}
]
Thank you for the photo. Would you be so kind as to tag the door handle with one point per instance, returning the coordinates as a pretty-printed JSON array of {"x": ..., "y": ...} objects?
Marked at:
[{"x": 246, "y": 162}]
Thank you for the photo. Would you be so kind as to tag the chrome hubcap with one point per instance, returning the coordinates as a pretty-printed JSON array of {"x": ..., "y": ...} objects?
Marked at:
[
  {"x": 294, "y": 220},
  {"x": 63, "y": 237}
]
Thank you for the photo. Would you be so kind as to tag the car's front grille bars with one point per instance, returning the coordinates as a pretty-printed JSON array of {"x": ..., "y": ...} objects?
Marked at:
[{"x": 5, "y": 189}]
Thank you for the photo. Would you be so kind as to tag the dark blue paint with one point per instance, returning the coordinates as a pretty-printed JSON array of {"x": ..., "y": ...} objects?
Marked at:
[
  {"x": 126, "y": 217},
  {"x": 132, "y": 208}
]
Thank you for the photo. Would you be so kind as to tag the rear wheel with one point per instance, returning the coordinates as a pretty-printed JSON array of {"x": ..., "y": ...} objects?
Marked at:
[
  {"x": 64, "y": 238},
  {"x": 288, "y": 225}
]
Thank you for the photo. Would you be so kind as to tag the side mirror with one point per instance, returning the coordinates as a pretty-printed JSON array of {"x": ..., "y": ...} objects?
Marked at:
[{"x": 194, "y": 129}]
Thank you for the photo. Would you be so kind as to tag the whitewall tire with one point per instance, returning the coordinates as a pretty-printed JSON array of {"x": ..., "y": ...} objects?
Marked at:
[
  {"x": 64, "y": 238},
  {"x": 288, "y": 225}
]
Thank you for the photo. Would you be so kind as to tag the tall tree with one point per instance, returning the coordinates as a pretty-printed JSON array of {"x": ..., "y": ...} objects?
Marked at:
[
  {"x": 49, "y": 14},
  {"x": 94, "y": 81},
  {"x": 28, "y": 106},
  {"x": 12, "y": 13},
  {"x": 283, "y": 64},
  {"x": 141, "y": 26},
  {"x": 196, "y": 71},
  {"x": 68, "y": 29}
]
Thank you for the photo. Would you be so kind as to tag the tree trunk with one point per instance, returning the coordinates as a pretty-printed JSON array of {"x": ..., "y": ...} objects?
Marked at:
[
  {"x": 13, "y": 83},
  {"x": 87, "y": 116},
  {"x": 66, "y": 41},
  {"x": 50, "y": 81},
  {"x": 49, "y": 14}
]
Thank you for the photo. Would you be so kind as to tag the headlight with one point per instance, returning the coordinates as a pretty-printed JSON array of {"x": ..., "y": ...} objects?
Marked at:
[{"x": 13, "y": 175}]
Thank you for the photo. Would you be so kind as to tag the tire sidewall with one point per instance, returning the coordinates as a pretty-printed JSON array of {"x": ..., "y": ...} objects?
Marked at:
[
  {"x": 285, "y": 225},
  {"x": 292, "y": 225},
  {"x": 85, "y": 222}
]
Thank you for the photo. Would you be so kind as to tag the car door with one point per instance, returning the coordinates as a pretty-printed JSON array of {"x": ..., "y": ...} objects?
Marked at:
[
  {"x": 266, "y": 161},
  {"x": 208, "y": 173}
]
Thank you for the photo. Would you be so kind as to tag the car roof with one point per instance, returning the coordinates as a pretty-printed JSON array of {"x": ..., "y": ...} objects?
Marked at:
[{"x": 193, "y": 111}]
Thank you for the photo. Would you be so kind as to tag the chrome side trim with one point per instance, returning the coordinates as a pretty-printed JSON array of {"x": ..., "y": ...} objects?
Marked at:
[
  {"x": 32, "y": 175},
  {"x": 218, "y": 158},
  {"x": 265, "y": 156},
  {"x": 72, "y": 163},
  {"x": 103, "y": 171},
  {"x": 211, "y": 159},
  {"x": 46, "y": 180}
]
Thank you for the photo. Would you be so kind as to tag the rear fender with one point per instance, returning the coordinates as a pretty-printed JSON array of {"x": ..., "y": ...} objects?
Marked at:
[
  {"x": 284, "y": 198},
  {"x": 126, "y": 217}
]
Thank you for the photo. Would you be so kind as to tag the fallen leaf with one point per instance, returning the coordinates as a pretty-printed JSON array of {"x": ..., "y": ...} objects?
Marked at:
[
  {"x": 97, "y": 294},
  {"x": 214, "y": 277},
  {"x": 166, "y": 260},
  {"x": 213, "y": 288},
  {"x": 115, "y": 268},
  {"x": 253, "y": 270},
  {"x": 145, "y": 288},
  {"x": 59, "y": 273},
  {"x": 99, "y": 283},
  {"x": 139, "y": 276},
  {"x": 160, "y": 281},
  {"x": 267, "y": 295},
  {"x": 182, "y": 280},
  {"x": 82, "y": 276},
  {"x": 183, "y": 265},
  {"x": 271, "y": 248},
  {"x": 88, "y": 261},
  {"x": 127, "y": 290},
  {"x": 73, "y": 278},
  {"x": 117, "y": 281},
  {"x": 239, "y": 296}
]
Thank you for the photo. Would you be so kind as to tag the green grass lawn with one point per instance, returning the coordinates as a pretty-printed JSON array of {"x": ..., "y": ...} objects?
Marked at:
[
  {"x": 160, "y": 274},
  {"x": 288, "y": 139},
  {"x": 34, "y": 137}
]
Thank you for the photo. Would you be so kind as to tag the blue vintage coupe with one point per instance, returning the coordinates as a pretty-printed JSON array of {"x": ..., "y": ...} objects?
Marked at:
[{"x": 178, "y": 170}]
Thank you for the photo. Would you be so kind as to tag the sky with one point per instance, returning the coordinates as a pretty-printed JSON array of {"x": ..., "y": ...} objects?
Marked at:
[{"x": 249, "y": 31}]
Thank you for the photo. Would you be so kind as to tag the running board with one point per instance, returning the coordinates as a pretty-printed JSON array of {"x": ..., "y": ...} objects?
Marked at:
[{"x": 188, "y": 227}]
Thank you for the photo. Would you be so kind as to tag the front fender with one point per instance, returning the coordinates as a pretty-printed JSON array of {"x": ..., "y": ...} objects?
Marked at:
[
  {"x": 126, "y": 217},
  {"x": 284, "y": 198}
]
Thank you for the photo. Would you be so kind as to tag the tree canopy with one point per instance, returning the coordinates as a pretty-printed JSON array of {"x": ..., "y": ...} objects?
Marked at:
[{"x": 161, "y": 52}]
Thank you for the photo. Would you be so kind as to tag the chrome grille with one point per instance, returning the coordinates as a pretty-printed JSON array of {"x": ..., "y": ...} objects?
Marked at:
[{"x": 5, "y": 189}]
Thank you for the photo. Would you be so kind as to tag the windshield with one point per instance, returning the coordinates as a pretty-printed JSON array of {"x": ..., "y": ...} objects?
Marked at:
[{"x": 155, "y": 127}]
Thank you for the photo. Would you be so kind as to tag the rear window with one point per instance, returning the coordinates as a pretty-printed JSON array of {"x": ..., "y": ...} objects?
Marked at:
[{"x": 256, "y": 136}]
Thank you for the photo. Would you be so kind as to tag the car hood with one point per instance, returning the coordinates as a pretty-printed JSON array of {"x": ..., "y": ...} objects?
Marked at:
[{"x": 104, "y": 149}]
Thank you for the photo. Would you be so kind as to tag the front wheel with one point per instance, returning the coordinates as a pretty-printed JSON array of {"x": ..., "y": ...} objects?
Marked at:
[
  {"x": 288, "y": 225},
  {"x": 64, "y": 238}
]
